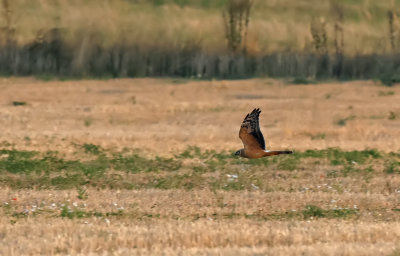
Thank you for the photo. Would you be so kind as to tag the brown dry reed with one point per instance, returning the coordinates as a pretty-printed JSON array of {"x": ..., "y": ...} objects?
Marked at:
[
  {"x": 78, "y": 41},
  {"x": 8, "y": 30},
  {"x": 394, "y": 29},
  {"x": 319, "y": 35},
  {"x": 337, "y": 11}
]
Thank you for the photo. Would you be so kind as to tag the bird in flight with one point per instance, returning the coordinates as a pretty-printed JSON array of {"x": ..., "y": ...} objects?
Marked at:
[{"x": 253, "y": 140}]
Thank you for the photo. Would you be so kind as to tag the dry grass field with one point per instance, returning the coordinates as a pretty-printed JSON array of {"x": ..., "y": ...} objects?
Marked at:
[
  {"x": 161, "y": 116},
  {"x": 275, "y": 25},
  {"x": 145, "y": 167}
]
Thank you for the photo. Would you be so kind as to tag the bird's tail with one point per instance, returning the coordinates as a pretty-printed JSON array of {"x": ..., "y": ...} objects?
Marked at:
[{"x": 274, "y": 153}]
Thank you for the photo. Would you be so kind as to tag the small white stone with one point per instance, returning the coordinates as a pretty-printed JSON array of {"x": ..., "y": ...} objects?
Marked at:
[{"x": 254, "y": 186}]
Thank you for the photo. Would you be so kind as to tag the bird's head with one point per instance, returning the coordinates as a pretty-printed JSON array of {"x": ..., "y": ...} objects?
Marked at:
[{"x": 239, "y": 152}]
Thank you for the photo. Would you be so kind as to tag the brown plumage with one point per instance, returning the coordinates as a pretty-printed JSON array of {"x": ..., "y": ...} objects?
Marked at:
[{"x": 252, "y": 138}]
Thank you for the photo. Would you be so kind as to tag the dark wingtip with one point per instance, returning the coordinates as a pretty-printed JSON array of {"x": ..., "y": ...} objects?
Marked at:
[{"x": 256, "y": 111}]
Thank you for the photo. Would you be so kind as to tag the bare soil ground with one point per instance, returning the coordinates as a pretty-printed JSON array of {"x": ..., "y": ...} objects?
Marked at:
[{"x": 162, "y": 117}]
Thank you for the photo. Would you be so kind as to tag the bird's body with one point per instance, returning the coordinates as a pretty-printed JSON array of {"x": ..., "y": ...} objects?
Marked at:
[{"x": 253, "y": 139}]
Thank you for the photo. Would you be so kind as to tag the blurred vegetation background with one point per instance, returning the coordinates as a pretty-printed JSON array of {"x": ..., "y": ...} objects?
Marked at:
[{"x": 345, "y": 39}]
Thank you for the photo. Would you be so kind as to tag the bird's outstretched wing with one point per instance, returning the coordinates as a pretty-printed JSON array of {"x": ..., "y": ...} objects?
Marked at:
[{"x": 250, "y": 133}]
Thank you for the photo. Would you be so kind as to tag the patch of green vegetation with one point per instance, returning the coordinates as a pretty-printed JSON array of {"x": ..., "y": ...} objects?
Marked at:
[
  {"x": 350, "y": 169},
  {"x": 376, "y": 117},
  {"x": 288, "y": 163},
  {"x": 302, "y": 80},
  {"x": 390, "y": 79},
  {"x": 135, "y": 163},
  {"x": 191, "y": 152},
  {"x": 19, "y": 103},
  {"x": 340, "y": 157},
  {"x": 392, "y": 115},
  {"x": 343, "y": 121},
  {"x": 72, "y": 213},
  {"x": 75, "y": 211},
  {"x": 313, "y": 211},
  {"x": 309, "y": 212},
  {"x": 87, "y": 122},
  {"x": 178, "y": 181},
  {"x": 385, "y": 93},
  {"x": 193, "y": 168},
  {"x": 60, "y": 182},
  {"x": 361, "y": 156},
  {"x": 255, "y": 162},
  {"x": 46, "y": 77},
  {"x": 180, "y": 81},
  {"x": 14, "y": 161},
  {"x": 391, "y": 167},
  {"x": 92, "y": 149},
  {"x": 288, "y": 215},
  {"x": 312, "y": 153},
  {"x": 341, "y": 213}
]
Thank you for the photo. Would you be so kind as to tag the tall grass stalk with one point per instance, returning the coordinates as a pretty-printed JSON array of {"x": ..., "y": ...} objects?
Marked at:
[{"x": 236, "y": 21}]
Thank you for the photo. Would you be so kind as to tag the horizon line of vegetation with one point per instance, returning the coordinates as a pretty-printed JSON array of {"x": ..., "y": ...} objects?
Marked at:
[{"x": 50, "y": 53}]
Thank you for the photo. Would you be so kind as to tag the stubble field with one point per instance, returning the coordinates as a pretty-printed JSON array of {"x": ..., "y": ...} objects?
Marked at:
[{"x": 145, "y": 166}]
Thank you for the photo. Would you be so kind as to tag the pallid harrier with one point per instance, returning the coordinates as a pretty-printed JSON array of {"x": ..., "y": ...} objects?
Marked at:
[{"x": 252, "y": 138}]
